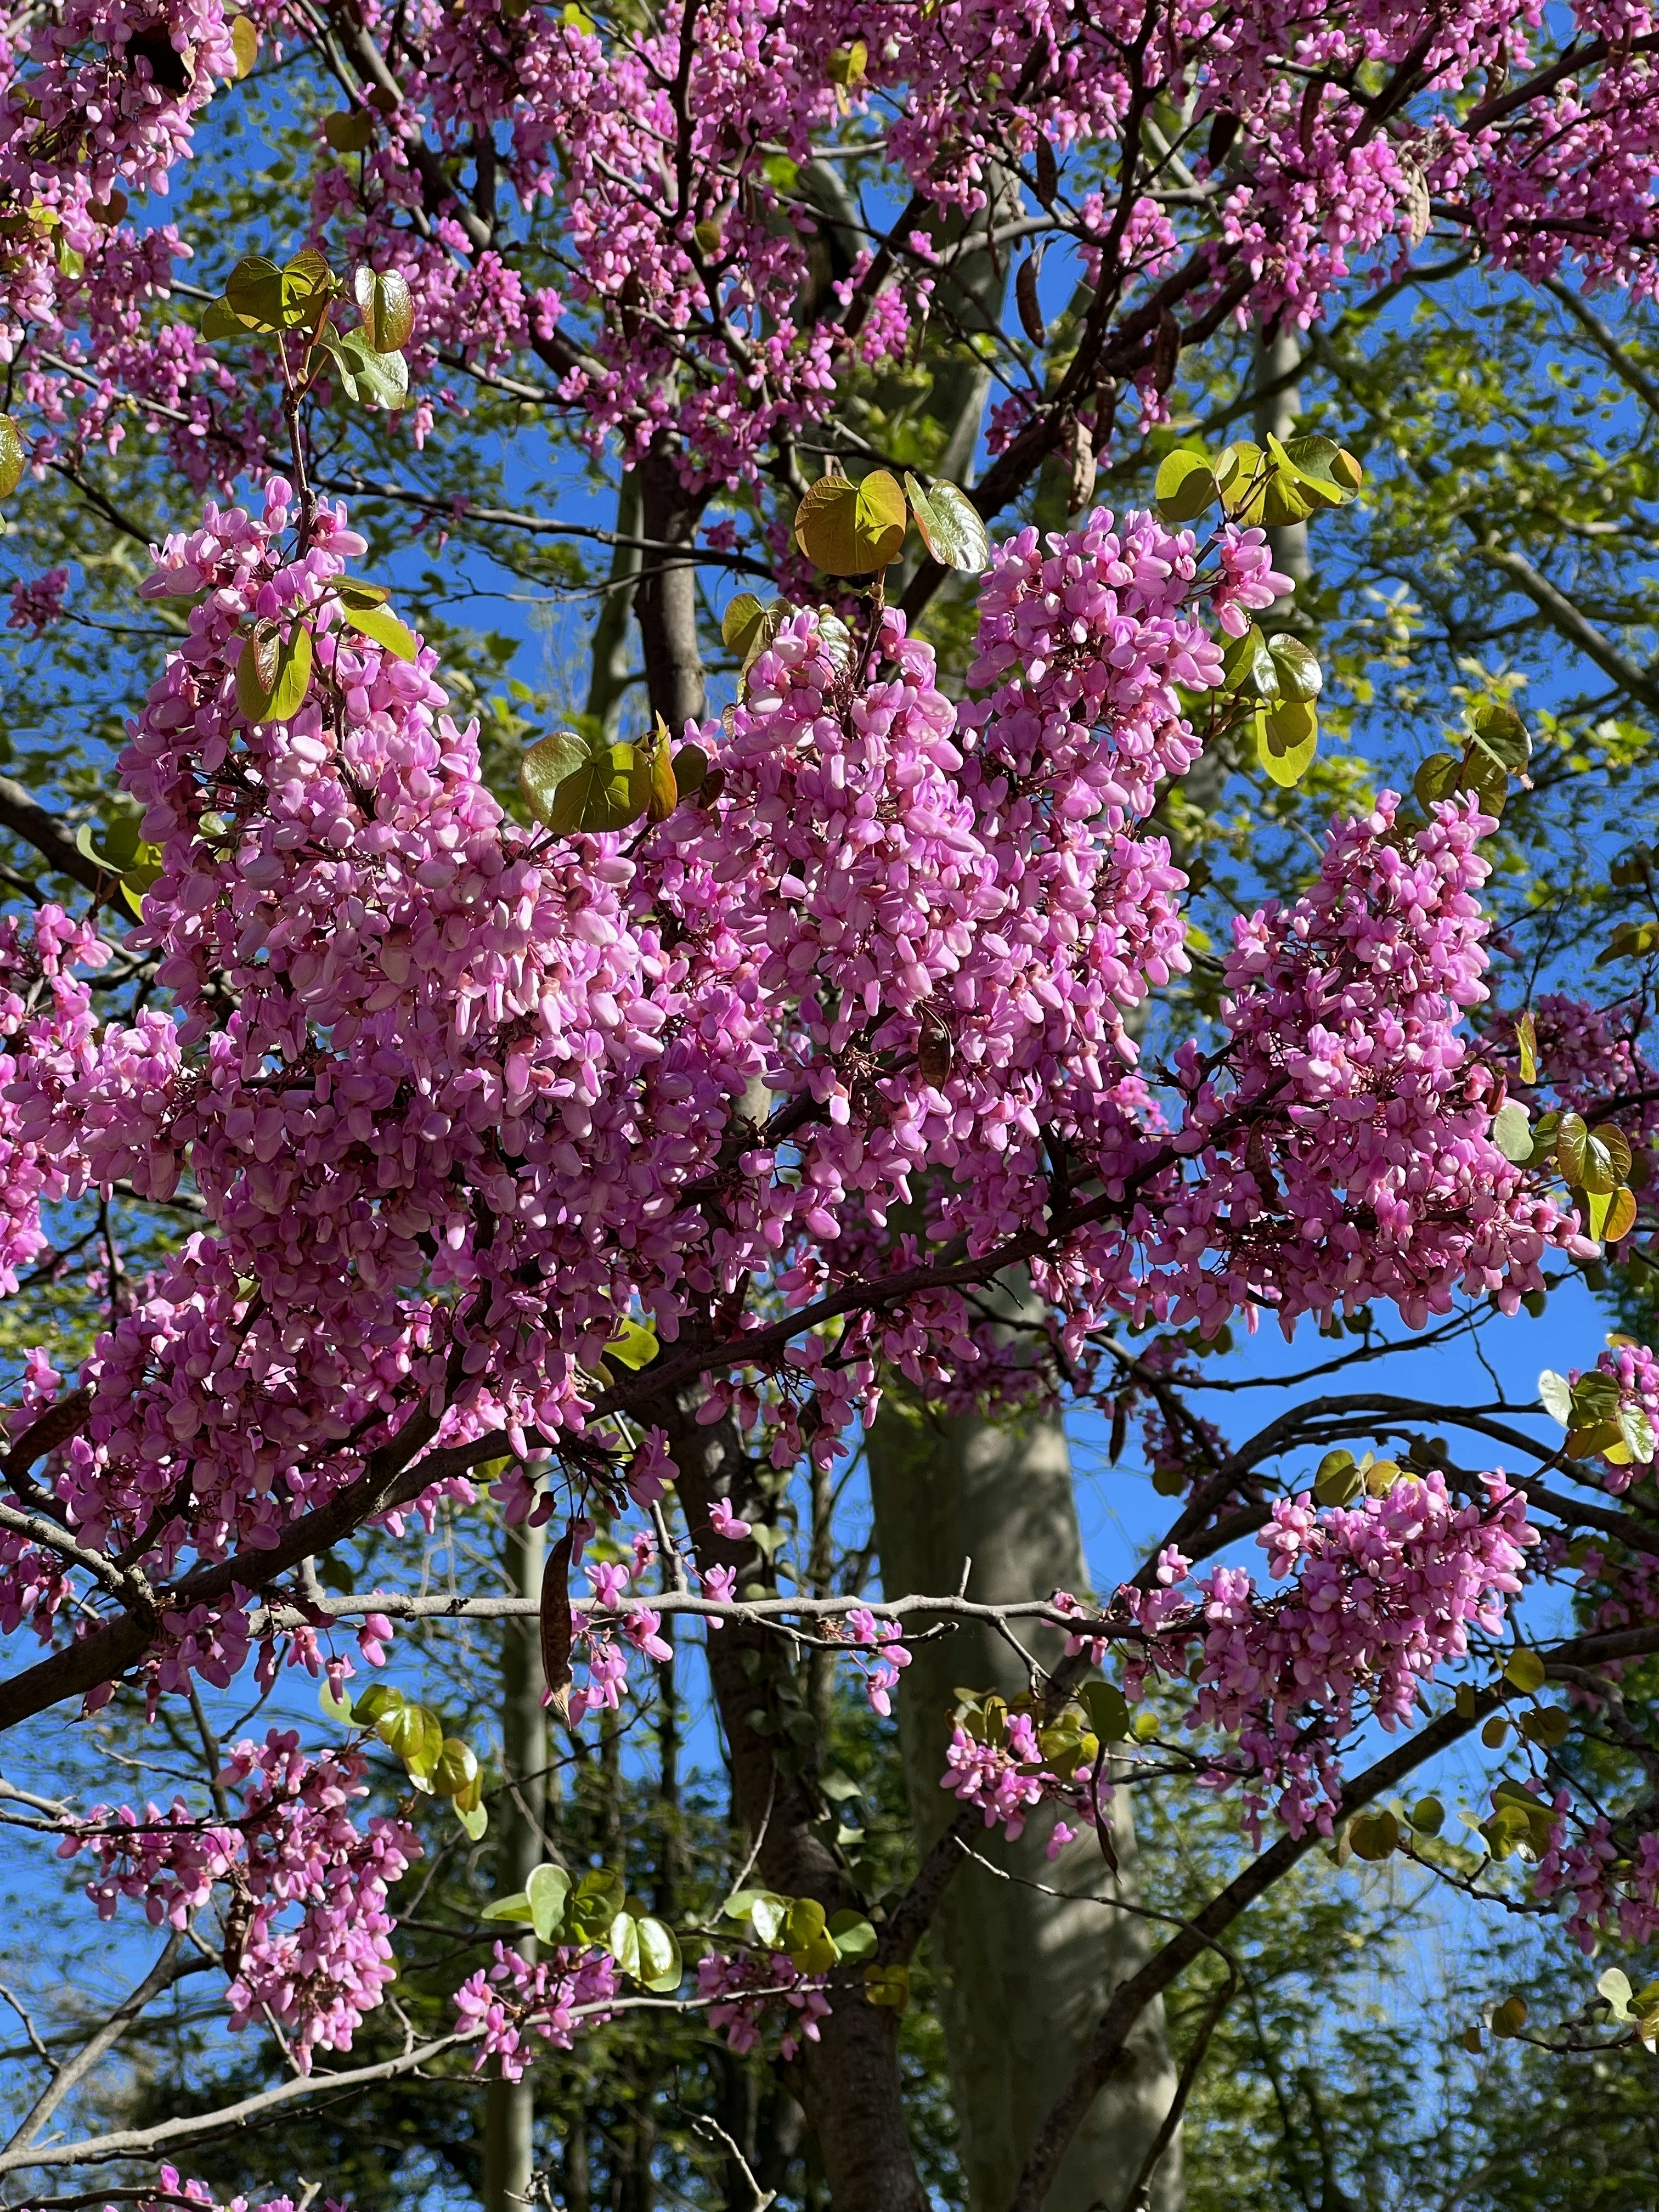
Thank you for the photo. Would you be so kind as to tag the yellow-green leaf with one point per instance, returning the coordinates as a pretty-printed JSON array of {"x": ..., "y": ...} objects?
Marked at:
[
  {"x": 1524, "y": 1669},
  {"x": 1287, "y": 737},
  {"x": 949, "y": 526},
  {"x": 369, "y": 616},
  {"x": 1185, "y": 485},
  {"x": 1526, "y": 1041},
  {"x": 13, "y": 457},
  {"x": 850, "y": 528},
  {"x": 245, "y": 42},
  {"x": 350, "y": 131},
  {"x": 273, "y": 675},
  {"x": 386, "y": 305}
]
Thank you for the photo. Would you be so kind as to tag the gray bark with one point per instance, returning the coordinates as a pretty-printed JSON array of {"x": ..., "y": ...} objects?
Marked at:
[
  {"x": 510, "y": 2106},
  {"x": 849, "y": 2081},
  {"x": 611, "y": 677},
  {"x": 1276, "y": 416},
  {"x": 1026, "y": 1975},
  {"x": 666, "y": 598}
]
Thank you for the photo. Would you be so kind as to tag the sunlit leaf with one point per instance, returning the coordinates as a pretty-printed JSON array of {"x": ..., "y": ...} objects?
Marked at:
[
  {"x": 1185, "y": 485},
  {"x": 386, "y": 305},
  {"x": 949, "y": 526},
  {"x": 273, "y": 674},
  {"x": 849, "y": 528}
]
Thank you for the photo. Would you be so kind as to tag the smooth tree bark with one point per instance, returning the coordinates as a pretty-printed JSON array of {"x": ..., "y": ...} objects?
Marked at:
[
  {"x": 510, "y": 2106},
  {"x": 665, "y": 596},
  {"x": 1025, "y": 1972},
  {"x": 849, "y": 2080}
]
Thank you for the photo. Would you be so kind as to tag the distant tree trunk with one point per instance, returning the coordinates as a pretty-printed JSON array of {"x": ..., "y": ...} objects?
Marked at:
[
  {"x": 510, "y": 2106},
  {"x": 1275, "y": 415},
  {"x": 1025, "y": 1974},
  {"x": 666, "y": 597},
  {"x": 608, "y": 684}
]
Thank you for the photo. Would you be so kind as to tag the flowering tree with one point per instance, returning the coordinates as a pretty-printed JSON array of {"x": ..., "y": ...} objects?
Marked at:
[{"x": 594, "y": 1161}]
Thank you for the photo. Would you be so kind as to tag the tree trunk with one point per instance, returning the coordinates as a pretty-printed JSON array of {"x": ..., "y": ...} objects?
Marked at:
[
  {"x": 1024, "y": 1974},
  {"x": 849, "y": 2080},
  {"x": 611, "y": 677},
  {"x": 1275, "y": 416},
  {"x": 666, "y": 597},
  {"x": 510, "y": 2106}
]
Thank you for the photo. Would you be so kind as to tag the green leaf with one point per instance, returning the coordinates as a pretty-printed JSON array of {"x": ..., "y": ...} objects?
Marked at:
[
  {"x": 607, "y": 790},
  {"x": 378, "y": 1700},
  {"x": 386, "y": 305},
  {"x": 1524, "y": 1669},
  {"x": 254, "y": 293},
  {"x": 1248, "y": 668},
  {"x": 849, "y": 529},
  {"x": 1241, "y": 473},
  {"x": 515, "y": 1908},
  {"x": 635, "y": 1345},
  {"x": 1570, "y": 1140},
  {"x": 366, "y": 613},
  {"x": 1436, "y": 779},
  {"x": 548, "y": 1891},
  {"x": 806, "y": 1937},
  {"x": 1636, "y": 1430},
  {"x": 1332, "y": 474},
  {"x": 1509, "y": 2017},
  {"x": 244, "y": 43},
  {"x": 350, "y": 130},
  {"x": 1428, "y": 1816},
  {"x": 473, "y": 1818},
  {"x": 376, "y": 380},
  {"x": 949, "y": 526},
  {"x": 767, "y": 1915},
  {"x": 1555, "y": 1395},
  {"x": 1374, "y": 1836},
  {"x": 1501, "y": 734},
  {"x": 852, "y": 1934},
  {"x": 457, "y": 1768},
  {"x": 273, "y": 674},
  {"x": 1185, "y": 485},
  {"x": 1548, "y": 1725},
  {"x": 221, "y": 320},
  {"x": 1108, "y": 1709},
  {"x": 623, "y": 1941},
  {"x": 1339, "y": 1478},
  {"x": 337, "y": 1709},
  {"x": 887, "y": 1985},
  {"x": 13, "y": 457},
  {"x": 1511, "y": 1132},
  {"x": 660, "y": 1965},
  {"x": 690, "y": 766},
  {"x": 1300, "y": 676},
  {"x": 1287, "y": 737},
  {"x": 1526, "y": 1042},
  {"x": 1614, "y": 1986},
  {"x": 545, "y": 767},
  {"x": 1596, "y": 1397}
]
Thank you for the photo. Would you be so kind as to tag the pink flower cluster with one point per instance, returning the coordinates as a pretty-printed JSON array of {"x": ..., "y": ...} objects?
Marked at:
[
  {"x": 1609, "y": 1884},
  {"x": 1381, "y": 1595},
  {"x": 1009, "y": 1780},
  {"x": 753, "y": 1991},
  {"x": 302, "y": 1888},
  {"x": 556, "y": 1998}
]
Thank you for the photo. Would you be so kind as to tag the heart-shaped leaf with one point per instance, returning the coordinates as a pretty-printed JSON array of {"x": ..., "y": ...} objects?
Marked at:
[
  {"x": 949, "y": 526},
  {"x": 386, "y": 305},
  {"x": 849, "y": 528},
  {"x": 1300, "y": 676},
  {"x": 375, "y": 379},
  {"x": 545, "y": 767},
  {"x": 1248, "y": 668},
  {"x": 273, "y": 674},
  {"x": 14, "y": 457},
  {"x": 1500, "y": 732},
  {"x": 1571, "y": 1137},
  {"x": 660, "y": 1965},
  {"x": 244, "y": 43},
  {"x": 1287, "y": 737},
  {"x": 548, "y": 1890},
  {"x": 1555, "y": 1395},
  {"x": 350, "y": 130},
  {"x": 1184, "y": 486},
  {"x": 1511, "y": 1131},
  {"x": 361, "y": 606}
]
